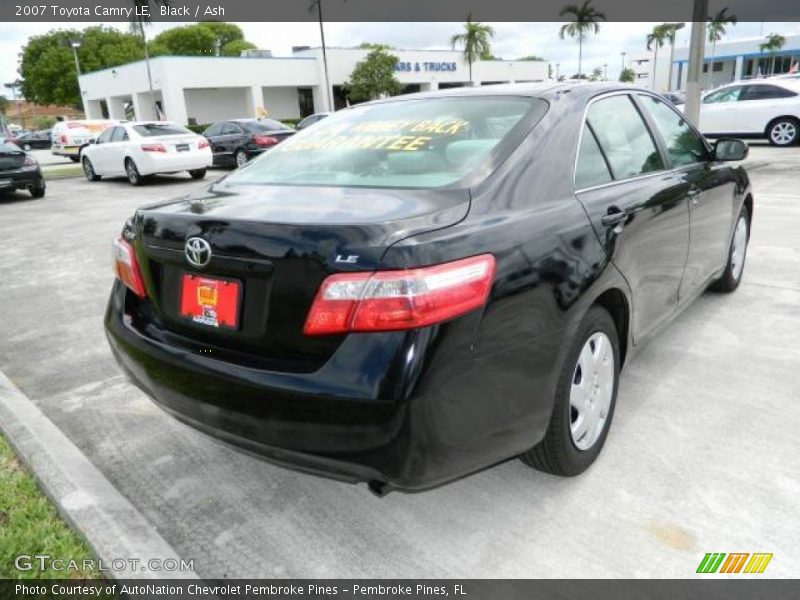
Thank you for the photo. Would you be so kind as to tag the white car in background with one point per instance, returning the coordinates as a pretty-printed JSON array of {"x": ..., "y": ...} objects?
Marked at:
[
  {"x": 138, "y": 149},
  {"x": 762, "y": 108},
  {"x": 71, "y": 137}
]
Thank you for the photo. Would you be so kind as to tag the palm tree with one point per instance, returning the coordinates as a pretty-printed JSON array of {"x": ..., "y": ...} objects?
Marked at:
[
  {"x": 717, "y": 27},
  {"x": 774, "y": 42},
  {"x": 655, "y": 40},
  {"x": 585, "y": 21},
  {"x": 475, "y": 40},
  {"x": 672, "y": 32}
]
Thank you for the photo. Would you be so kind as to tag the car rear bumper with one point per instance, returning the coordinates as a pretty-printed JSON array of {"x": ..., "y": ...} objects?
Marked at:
[
  {"x": 21, "y": 179},
  {"x": 149, "y": 163},
  {"x": 388, "y": 413}
]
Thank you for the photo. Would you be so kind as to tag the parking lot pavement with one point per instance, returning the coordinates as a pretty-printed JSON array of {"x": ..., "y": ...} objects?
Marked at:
[
  {"x": 701, "y": 456},
  {"x": 46, "y": 158}
]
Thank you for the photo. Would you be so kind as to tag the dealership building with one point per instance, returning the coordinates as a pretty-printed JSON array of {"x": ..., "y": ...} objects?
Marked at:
[{"x": 200, "y": 89}]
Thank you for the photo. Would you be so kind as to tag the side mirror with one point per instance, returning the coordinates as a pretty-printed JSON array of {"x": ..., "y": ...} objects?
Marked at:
[{"x": 730, "y": 149}]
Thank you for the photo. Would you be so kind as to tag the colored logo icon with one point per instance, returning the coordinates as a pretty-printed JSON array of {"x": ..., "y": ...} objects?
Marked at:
[{"x": 735, "y": 562}]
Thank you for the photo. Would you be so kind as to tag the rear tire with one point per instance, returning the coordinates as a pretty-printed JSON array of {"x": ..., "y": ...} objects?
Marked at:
[
  {"x": 134, "y": 178},
  {"x": 737, "y": 254},
  {"x": 783, "y": 132},
  {"x": 197, "y": 173},
  {"x": 240, "y": 158},
  {"x": 88, "y": 170},
  {"x": 38, "y": 190},
  {"x": 585, "y": 398}
]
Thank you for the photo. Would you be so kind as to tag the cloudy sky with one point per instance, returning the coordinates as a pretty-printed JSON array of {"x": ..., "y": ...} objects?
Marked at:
[{"x": 511, "y": 40}]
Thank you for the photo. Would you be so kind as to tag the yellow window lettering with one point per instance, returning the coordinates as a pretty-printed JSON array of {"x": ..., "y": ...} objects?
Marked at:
[{"x": 417, "y": 143}]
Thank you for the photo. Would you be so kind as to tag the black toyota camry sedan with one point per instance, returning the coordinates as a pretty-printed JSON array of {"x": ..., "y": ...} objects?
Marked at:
[{"x": 418, "y": 288}]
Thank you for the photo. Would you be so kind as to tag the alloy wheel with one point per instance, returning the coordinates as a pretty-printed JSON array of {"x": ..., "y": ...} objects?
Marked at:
[
  {"x": 241, "y": 158},
  {"x": 592, "y": 391},
  {"x": 783, "y": 133},
  {"x": 133, "y": 174},
  {"x": 739, "y": 249},
  {"x": 88, "y": 170}
]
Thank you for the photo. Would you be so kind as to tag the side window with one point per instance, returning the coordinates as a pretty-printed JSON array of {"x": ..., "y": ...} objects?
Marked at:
[
  {"x": 105, "y": 137},
  {"x": 683, "y": 145},
  {"x": 119, "y": 135},
  {"x": 215, "y": 129},
  {"x": 765, "y": 92},
  {"x": 230, "y": 129},
  {"x": 730, "y": 94},
  {"x": 591, "y": 168},
  {"x": 623, "y": 137}
]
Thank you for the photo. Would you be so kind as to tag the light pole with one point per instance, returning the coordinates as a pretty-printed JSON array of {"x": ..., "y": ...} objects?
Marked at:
[
  {"x": 75, "y": 44},
  {"x": 622, "y": 54},
  {"x": 13, "y": 87},
  {"x": 318, "y": 4},
  {"x": 557, "y": 68},
  {"x": 696, "y": 52}
]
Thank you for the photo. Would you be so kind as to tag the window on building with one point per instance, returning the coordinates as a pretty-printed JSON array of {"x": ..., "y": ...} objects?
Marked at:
[{"x": 717, "y": 67}]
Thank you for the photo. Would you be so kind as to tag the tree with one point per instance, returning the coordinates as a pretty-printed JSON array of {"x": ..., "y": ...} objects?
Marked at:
[
  {"x": 533, "y": 58},
  {"x": 597, "y": 74},
  {"x": 627, "y": 75},
  {"x": 374, "y": 77},
  {"x": 672, "y": 32},
  {"x": 208, "y": 38},
  {"x": 475, "y": 40},
  {"x": 717, "y": 27},
  {"x": 3, "y": 105},
  {"x": 586, "y": 19},
  {"x": 655, "y": 40},
  {"x": 373, "y": 46},
  {"x": 47, "y": 66},
  {"x": 774, "y": 42}
]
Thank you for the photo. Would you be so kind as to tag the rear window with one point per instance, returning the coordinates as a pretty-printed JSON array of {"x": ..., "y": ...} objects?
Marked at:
[
  {"x": 155, "y": 129},
  {"x": 411, "y": 143}
]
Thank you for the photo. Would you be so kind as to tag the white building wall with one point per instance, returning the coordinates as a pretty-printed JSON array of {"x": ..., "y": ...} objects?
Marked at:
[
  {"x": 206, "y": 105},
  {"x": 281, "y": 102}
]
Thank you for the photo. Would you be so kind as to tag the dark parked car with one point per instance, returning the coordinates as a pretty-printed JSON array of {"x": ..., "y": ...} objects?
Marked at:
[
  {"x": 34, "y": 140},
  {"x": 235, "y": 142},
  {"x": 421, "y": 287},
  {"x": 19, "y": 171}
]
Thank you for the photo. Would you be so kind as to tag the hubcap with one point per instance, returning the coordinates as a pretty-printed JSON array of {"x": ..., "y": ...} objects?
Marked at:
[
  {"x": 592, "y": 390},
  {"x": 783, "y": 133},
  {"x": 87, "y": 168},
  {"x": 132, "y": 174},
  {"x": 739, "y": 248},
  {"x": 241, "y": 158}
]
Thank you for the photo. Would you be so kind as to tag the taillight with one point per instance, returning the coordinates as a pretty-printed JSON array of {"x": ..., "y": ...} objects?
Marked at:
[
  {"x": 153, "y": 148},
  {"x": 391, "y": 300},
  {"x": 265, "y": 140},
  {"x": 126, "y": 267},
  {"x": 63, "y": 138},
  {"x": 202, "y": 144},
  {"x": 29, "y": 161}
]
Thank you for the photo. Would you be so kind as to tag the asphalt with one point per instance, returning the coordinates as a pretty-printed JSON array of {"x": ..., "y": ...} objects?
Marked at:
[{"x": 701, "y": 456}]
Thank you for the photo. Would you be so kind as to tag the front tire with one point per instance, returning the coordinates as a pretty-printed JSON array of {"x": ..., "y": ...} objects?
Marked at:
[
  {"x": 88, "y": 170},
  {"x": 197, "y": 173},
  {"x": 783, "y": 132},
  {"x": 737, "y": 253},
  {"x": 134, "y": 178},
  {"x": 585, "y": 398}
]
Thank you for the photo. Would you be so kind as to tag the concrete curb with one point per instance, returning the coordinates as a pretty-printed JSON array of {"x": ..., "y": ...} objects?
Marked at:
[{"x": 110, "y": 524}]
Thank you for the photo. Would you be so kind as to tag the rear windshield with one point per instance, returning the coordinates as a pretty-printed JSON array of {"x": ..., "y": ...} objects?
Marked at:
[
  {"x": 154, "y": 129},
  {"x": 430, "y": 142},
  {"x": 263, "y": 125}
]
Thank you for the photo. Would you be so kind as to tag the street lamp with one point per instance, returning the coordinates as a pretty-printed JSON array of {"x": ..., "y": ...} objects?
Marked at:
[
  {"x": 13, "y": 87},
  {"x": 75, "y": 44},
  {"x": 557, "y": 67}
]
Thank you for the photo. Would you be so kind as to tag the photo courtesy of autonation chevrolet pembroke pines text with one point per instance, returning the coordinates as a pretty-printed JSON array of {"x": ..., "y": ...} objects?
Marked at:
[{"x": 419, "y": 299}]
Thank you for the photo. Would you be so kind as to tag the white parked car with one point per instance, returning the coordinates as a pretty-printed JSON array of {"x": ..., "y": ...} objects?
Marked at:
[
  {"x": 71, "y": 137},
  {"x": 761, "y": 108},
  {"x": 139, "y": 149}
]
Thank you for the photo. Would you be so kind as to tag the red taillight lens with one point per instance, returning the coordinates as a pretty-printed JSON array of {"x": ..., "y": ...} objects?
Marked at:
[
  {"x": 63, "y": 138},
  {"x": 29, "y": 161},
  {"x": 126, "y": 267},
  {"x": 391, "y": 300},
  {"x": 153, "y": 148},
  {"x": 265, "y": 140},
  {"x": 202, "y": 144}
]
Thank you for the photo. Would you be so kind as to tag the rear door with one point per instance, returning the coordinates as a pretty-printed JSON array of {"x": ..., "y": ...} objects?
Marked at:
[
  {"x": 98, "y": 154},
  {"x": 760, "y": 103},
  {"x": 709, "y": 187},
  {"x": 637, "y": 207}
]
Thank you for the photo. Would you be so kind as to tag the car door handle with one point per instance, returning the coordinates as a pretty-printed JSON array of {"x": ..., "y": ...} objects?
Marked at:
[
  {"x": 693, "y": 193},
  {"x": 613, "y": 218}
]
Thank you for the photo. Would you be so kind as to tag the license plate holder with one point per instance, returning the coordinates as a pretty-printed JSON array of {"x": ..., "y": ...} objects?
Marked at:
[
  {"x": 210, "y": 301},
  {"x": 181, "y": 147}
]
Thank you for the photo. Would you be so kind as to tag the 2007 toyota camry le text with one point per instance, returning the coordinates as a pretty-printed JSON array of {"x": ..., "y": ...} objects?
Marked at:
[{"x": 420, "y": 287}]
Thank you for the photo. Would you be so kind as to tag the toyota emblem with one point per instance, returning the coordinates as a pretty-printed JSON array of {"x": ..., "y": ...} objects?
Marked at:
[{"x": 198, "y": 252}]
